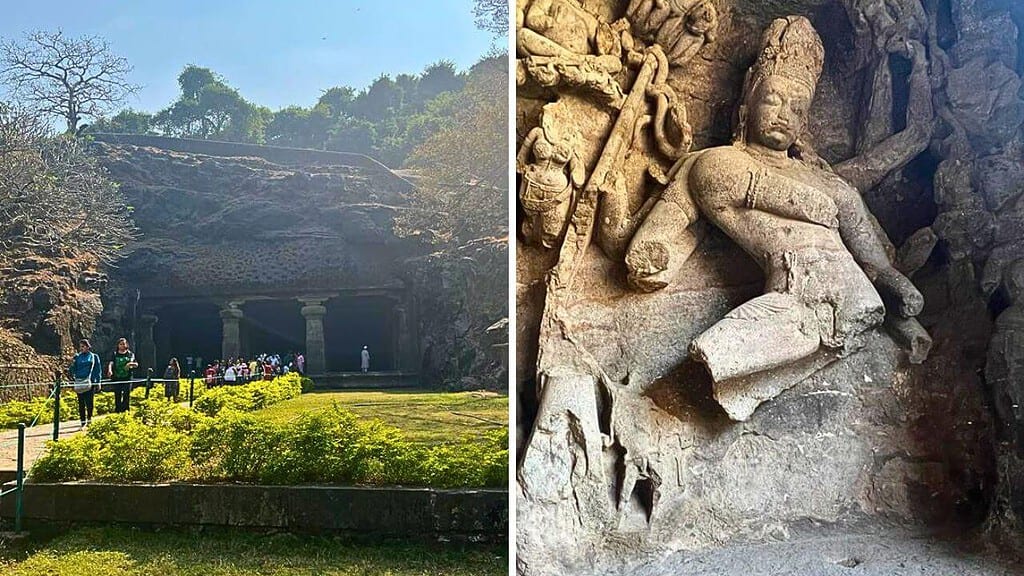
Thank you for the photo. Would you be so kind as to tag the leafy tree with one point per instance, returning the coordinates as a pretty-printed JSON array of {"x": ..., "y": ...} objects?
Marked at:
[
  {"x": 210, "y": 109},
  {"x": 462, "y": 193},
  {"x": 337, "y": 101},
  {"x": 492, "y": 16},
  {"x": 379, "y": 101},
  {"x": 69, "y": 78},
  {"x": 353, "y": 135},
  {"x": 127, "y": 121},
  {"x": 438, "y": 78}
]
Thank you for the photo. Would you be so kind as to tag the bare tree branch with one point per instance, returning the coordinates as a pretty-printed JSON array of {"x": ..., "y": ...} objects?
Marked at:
[
  {"x": 54, "y": 197},
  {"x": 73, "y": 78}
]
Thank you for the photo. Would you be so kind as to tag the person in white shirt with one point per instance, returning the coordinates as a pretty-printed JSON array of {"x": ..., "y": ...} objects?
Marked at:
[
  {"x": 230, "y": 375},
  {"x": 364, "y": 359}
]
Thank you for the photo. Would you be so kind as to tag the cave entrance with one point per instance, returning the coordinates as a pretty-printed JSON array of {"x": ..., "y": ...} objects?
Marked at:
[
  {"x": 356, "y": 321},
  {"x": 272, "y": 327},
  {"x": 186, "y": 330}
]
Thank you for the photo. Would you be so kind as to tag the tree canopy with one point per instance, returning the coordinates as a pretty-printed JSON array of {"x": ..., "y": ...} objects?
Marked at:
[
  {"x": 463, "y": 163},
  {"x": 208, "y": 108},
  {"x": 386, "y": 120}
]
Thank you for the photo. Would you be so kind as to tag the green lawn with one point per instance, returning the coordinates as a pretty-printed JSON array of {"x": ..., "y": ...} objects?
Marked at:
[
  {"x": 427, "y": 417},
  {"x": 114, "y": 551}
]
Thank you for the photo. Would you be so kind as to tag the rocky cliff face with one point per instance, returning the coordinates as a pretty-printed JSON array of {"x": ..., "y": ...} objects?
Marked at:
[
  {"x": 47, "y": 301},
  {"x": 218, "y": 219},
  {"x": 228, "y": 221}
]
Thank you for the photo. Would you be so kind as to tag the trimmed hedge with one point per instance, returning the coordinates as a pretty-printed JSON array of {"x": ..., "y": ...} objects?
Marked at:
[
  {"x": 223, "y": 441},
  {"x": 24, "y": 411},
  {"x": 249, "y": 397}
]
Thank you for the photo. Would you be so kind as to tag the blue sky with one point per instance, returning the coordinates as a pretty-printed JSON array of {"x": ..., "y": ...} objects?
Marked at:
[{"x": 275, "y": 52}]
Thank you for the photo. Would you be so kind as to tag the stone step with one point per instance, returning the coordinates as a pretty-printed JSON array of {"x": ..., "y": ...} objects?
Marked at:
[{"x": 382, "y": 380}]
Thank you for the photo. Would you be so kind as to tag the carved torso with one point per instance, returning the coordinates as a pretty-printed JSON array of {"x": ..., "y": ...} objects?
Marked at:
[{"x": 801, "y": 258}]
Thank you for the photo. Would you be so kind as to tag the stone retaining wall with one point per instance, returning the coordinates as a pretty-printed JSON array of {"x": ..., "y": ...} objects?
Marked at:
[{"x": 402, "y": 512}]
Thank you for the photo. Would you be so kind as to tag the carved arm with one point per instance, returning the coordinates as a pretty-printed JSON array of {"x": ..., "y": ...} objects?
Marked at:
[
  {"x": 868, "y": 169},
  {"x": 785, "y": 197},
  {"x": 523, "y": 157}
]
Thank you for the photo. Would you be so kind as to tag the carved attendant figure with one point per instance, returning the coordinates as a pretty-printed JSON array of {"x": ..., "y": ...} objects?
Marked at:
[
  {"x": 551, "y": 170},
  {"x": 827, "y": 272},
  {"x": 558, "y": 42}
]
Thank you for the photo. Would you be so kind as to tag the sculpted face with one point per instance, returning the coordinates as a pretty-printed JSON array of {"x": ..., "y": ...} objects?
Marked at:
[{"x": 777, "y": 112}]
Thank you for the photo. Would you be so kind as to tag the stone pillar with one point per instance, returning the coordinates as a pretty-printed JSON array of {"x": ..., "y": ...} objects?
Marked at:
[
  {"x": 314, "y": 311},
  {"x": 162, "y": 337},
  {"x": 231, "y": 344},
  {"x": 408, "y": 344},
  {"x": 401, "y": 335},
  {"x": 145, "y": 348}
]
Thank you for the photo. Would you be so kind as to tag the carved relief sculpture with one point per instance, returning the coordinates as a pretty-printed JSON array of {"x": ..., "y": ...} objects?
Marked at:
[
  {"x": 724, "y": 340},
  {"x": 827, "y": 272}
]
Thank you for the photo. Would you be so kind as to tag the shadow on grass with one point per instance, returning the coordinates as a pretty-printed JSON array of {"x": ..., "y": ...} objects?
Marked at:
[{"x": 109, "y": 550}]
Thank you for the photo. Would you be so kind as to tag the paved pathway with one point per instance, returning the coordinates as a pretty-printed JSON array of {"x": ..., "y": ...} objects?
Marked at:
[{"x": 35, "y": 442}]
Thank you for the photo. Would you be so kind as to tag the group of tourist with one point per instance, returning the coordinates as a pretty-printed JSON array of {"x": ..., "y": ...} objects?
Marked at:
[
  {"x": 87, "y": 371},
  {"x": 262, "y": 367}
]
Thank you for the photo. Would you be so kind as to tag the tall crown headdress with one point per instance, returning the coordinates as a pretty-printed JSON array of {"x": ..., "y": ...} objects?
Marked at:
[{"x": 790, "y": 48}]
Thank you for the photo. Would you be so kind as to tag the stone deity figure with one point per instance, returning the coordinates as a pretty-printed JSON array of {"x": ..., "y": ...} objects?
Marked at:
[
  {"x": 559, "y": 42},
  {"x": 828, "y": 276},
  {"x": 680, "y": 27},
  {"x": 552, "y": 171}
]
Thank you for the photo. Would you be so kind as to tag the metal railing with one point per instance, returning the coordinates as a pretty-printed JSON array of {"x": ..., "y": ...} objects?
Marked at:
[{"x": 19, "y": 480}]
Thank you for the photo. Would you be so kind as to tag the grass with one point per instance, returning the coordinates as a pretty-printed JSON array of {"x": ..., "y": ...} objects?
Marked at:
[
  {"x": 115, "y": 551},
  {"x": 423, "y": 417}
]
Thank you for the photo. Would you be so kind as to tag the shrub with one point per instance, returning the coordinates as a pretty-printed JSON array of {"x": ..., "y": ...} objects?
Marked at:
[
  {"x": 163, "y": 441},
  {"x": 69, "y": 459},
  {"x": 307, "y": 384},
  {"x": 249, "y": 397},
  {"x": 236, "y": 446},
  {"x": 120, "y": 448},
  {"x": 132, "y": 450}
]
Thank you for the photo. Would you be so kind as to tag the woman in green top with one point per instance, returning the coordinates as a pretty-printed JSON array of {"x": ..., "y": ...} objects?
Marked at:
[{"x": 119, "y": 370}]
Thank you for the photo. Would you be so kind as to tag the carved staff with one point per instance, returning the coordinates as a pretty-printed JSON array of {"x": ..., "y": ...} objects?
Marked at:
[{"x": 581, "y": 226}]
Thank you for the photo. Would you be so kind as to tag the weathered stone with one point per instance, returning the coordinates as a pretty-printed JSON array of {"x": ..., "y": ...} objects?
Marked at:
[{"x": 688, "y": 380}]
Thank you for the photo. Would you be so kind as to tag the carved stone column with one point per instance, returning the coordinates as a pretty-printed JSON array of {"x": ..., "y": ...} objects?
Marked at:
[
  {"x": 401, "y": 338},
  {"x": 162, "y": 337},
  {"x": 145, "y": 348},
  {"x": 314, "y": 311},
  {"x": 231, "y": 344}
]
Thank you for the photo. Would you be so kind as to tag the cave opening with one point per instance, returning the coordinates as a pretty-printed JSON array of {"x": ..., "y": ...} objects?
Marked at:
[
  {"x": 186, "y": 330},
  {"x": 272, "y": 327},
  {"x": 357, "y": 321}
]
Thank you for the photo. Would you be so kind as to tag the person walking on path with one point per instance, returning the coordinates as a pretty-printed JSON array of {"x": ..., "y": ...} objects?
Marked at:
[
  {"x": 119, "y": 370},
  {"x": 364, "y": 356},
  {"x": 172, "y": 385},
  {"x": 86, "y": 371}
]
